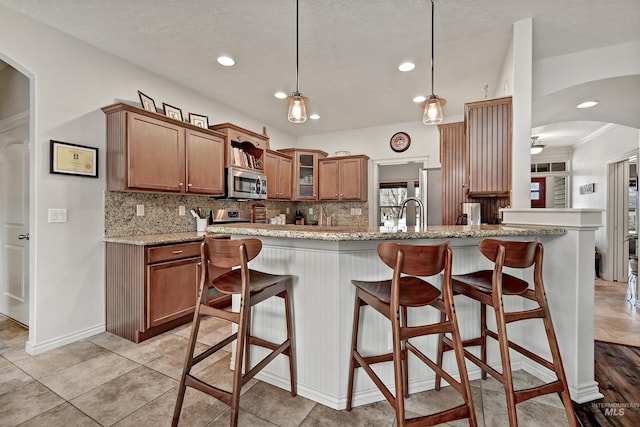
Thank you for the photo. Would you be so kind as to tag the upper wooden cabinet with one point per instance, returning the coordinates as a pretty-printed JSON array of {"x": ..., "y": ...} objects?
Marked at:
[
  {"x": 343, "y": 178},
  {"x": 305, "y": 172},
  {"x": 149, "y": 152},
  {"x": 244, "y": 148},
  {"x": 488, "y": 139},
  {"x": 277, "y": 166}
]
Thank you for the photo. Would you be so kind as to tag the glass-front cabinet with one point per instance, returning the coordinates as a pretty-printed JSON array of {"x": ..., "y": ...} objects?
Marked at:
[{"x": 305, "y": 172}]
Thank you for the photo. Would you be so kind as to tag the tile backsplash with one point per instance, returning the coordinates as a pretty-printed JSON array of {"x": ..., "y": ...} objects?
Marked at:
[{"x": 161, "y": 212}]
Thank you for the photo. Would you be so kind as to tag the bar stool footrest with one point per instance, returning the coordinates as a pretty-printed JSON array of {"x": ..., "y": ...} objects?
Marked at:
[
  {"x": 530, "y": 393},
  {"x": 453, "y": 414}
]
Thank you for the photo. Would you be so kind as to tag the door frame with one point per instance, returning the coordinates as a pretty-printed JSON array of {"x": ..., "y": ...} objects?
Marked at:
[{"x": 617, "y": 251}]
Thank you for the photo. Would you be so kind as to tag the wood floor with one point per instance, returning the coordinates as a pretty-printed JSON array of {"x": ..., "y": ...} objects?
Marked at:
[
  {"x": 617, "y": 360},
  {"x": 616, "y": 320}
]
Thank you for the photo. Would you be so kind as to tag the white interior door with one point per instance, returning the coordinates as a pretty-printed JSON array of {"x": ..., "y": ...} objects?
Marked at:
[
  {"x": 618, "y": 221},
  {"x": 14, "y": 218}
]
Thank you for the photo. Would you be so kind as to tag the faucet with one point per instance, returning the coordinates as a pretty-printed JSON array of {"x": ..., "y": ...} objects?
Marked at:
[{"x": 423, "y": 218}]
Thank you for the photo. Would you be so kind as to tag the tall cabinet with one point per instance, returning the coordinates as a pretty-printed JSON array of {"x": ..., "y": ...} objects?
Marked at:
[
  {"x": 476, "y": 160},
  {"x": 453, "y": 159}
]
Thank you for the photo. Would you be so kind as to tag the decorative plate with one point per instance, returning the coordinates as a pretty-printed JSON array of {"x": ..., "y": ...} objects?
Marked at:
[{"x": 400, "y": 141}]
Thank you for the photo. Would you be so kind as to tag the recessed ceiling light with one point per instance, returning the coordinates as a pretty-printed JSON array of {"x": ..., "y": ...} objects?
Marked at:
[
  {"x": 314, "y": 116},
  {"x": 406, "y": 66},
  {"x": 587, "y": 104},
  {"x": 226, "y": 61},
  {"x": 419, "y": 98},
  {"x": 280, "y": 95}
]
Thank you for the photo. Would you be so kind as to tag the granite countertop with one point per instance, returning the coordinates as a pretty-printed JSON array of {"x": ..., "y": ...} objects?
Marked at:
[
  {"x": 376, "y": 233},
  {"x": 159, "y": 239}
]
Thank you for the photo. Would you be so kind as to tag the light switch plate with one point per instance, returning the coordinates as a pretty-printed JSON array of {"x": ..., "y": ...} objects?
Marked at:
[
  {"x": 182, "y": 211},
  {"x": 310, "y": 211},
  {"x": 140, "y": 210},
  {"x": 57, "y": 216}
]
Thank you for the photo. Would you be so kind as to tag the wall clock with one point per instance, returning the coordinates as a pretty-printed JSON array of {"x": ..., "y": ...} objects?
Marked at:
[{"x": 400, "y": 141}]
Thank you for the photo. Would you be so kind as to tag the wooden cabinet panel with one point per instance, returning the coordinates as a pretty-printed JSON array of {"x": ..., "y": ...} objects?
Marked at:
[
  {"x": 152, "y": 289},
  {"x": 203, "y": 163},
  {"x": 155, "y": 154},
  {"x": 171, "y": 290},
  {"x": 343, "y": 178},
  {"x": 149, "y": 152},
  {"x": 304, "y": 172},
  {"x": 277, "y": 167},
  {"x": 453, "y": 158},
  {"x": 488, "y": 136},
  {"x": 329, "y": 180}
]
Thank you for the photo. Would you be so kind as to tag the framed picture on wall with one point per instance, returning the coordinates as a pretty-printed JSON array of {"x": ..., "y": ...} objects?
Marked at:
[{"x": 73, "y": 159}]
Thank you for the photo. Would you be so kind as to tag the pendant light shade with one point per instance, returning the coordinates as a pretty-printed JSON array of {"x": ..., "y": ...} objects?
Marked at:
[
  {"x": 297, "y": 103},
  {"x": 297, "y": 108},
  {"x": 433, "y": 106}
]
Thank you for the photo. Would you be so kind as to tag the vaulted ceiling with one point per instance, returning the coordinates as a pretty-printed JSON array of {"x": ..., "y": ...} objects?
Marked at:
[{"x": 350, "y": 51}]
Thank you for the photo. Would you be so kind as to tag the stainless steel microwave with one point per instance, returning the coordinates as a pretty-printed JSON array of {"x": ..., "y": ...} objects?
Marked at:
[{"x": 246, "y": 184}]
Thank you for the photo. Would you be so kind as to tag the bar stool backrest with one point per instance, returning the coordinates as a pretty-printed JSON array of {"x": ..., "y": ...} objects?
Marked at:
[
  {"x": 517, "y": 254},
  {"x": 417, "y": 260},
  {"x": 227, "y": 253}
]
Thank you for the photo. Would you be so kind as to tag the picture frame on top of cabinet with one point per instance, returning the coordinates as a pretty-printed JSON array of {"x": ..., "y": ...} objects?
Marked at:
[
  {"x": 198, "y": 120},
  {"x": 147, "y": 102},
  {"x": 172, "y": 112}
]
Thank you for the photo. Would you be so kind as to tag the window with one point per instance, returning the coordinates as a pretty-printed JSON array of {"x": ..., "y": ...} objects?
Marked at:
[{"x": 391, "y": 195}]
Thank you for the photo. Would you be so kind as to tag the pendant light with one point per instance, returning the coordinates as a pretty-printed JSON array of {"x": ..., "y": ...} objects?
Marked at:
[
  {"x": 433, "y": 106},
  {"x": 297, "y": 103}
]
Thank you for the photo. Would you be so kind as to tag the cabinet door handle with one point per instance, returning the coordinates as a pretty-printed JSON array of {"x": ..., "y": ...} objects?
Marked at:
[
  {"x": 189, "y": 185},
  {"x": 181, "y": 184},
  {"x": 177, "y": 252}
]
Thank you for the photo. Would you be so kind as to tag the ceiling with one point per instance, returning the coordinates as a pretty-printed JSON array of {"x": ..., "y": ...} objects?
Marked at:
[{"x": 350, "y": 51}]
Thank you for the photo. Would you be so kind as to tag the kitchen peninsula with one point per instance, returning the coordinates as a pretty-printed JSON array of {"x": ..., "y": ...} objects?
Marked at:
[{"x": 324, "y": 260}]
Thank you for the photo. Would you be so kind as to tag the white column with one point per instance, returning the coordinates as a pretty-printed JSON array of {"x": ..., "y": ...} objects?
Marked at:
[{"x": 569, "y": 278}]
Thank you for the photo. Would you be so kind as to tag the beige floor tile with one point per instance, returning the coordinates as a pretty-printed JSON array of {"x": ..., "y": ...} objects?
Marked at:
[
  {"x": 198, "y": 410},
  {"x": 26, "y": 402},
  {"x": 112, "y": 342},
  {"x": 88, "y": 375},
  {"x": 374, "y": 414},
  {"x": 530, "y": 414},
  {"x": 64, "y": 415},
  {"x": 244, "y": 419},
  {"x": 12, "y": 334},
  {"x": 276, "y": 405},
  {"x": 154, "y": 348},
  {"x": 11, "y": 378},
  {"x": 120, "y": 397},
  {"x": 219, "y": 374},
  {"x": 59, "y": 359},
  {"x": 171, "y": 364}
]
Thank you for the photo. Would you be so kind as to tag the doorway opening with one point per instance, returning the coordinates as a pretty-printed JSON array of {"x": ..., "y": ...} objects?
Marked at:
[{"x": 14, "y": 194}]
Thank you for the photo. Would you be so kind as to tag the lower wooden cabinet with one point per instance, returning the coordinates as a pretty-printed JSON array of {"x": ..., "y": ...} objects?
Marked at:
[{"x": 151, "y": 289}]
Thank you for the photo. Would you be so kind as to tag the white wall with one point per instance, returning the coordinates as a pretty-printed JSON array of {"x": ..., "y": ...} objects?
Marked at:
[
  {"x": 70, "y": 82},
  {"x": 589, "y": 165}
]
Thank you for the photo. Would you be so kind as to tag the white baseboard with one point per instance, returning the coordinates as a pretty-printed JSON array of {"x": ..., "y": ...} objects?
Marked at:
[{"x": 38, "y": 348}]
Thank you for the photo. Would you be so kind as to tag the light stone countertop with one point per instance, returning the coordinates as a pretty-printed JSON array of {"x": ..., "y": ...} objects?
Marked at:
[
  {"x": 376, "y": 233},
  {"x": 159, "y": 239}
]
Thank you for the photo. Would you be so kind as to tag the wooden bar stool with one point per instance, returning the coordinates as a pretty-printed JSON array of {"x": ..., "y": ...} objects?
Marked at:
[
  {"x": 391, "y": 298},
  {"x": 253, "y": 287},
  {"x": 488, "y": 287}
]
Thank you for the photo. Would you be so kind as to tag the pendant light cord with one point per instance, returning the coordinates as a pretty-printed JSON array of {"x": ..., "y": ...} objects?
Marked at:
[
  {"x": 297, "y": 48},
  {"x": 432, "y": 44}
]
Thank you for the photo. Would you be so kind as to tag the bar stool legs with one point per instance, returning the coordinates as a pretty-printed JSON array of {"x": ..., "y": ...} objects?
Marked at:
[
  {"x": 253, "y": 287},
  {"x": 391, "y": 298},
  {"x": 488, "y": 287}
]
